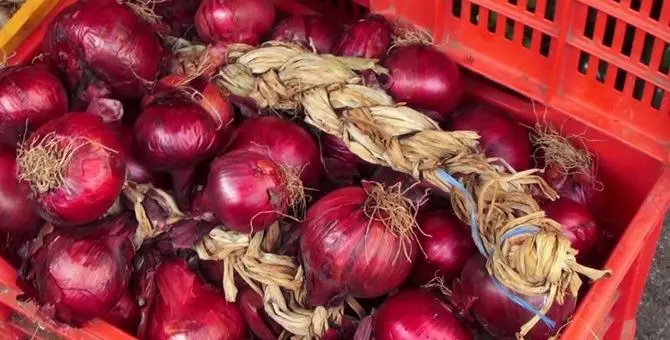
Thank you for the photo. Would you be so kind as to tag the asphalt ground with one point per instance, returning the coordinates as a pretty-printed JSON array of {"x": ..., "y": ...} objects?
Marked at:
[{"x": 653, "y": 318}]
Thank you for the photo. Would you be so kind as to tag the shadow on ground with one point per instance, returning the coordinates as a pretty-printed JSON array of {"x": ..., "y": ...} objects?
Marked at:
[{"x": 653, "y": 318}]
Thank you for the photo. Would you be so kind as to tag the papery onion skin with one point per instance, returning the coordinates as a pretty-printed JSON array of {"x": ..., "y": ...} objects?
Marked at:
[
  {"x": 92, "y": 178},
  {"x": 579, "y": 225},
  {"x": 234, "y": 21},
  {"x": 417, "y": 314},
  {"x": 186, "y": 307},
  {"x": 500, "y": 136},
  {"x": 495, "y": 312},
  {"x": 82, "y": 273},
  {"x": 285, "y": 142},
  {"x": 125, "y": 314},
  {"x": 16, "y": 212},
  {"x": 104, "y": 45},
  {"x": 310, "y": 31},
  {"x": 246, "y": 191},
  {"x": 424, "y": 78},
  {"x": 178, "y": 14},
  {"x": 447, "y": 245},
  {"x": 579, "y": 186},
  {"x": 29, "y": 97},
  {"x": 251, "y": 306},
  {"x": 368, "y": 38},
  {"x": 345, "y": 252}
]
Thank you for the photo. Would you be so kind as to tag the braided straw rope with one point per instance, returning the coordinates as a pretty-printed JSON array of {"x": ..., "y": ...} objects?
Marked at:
[
  {"x": 270, "y": 275},
  {"x": 526, "y": 251}
]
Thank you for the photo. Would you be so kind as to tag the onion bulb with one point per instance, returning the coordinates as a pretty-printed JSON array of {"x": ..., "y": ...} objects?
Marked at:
[
  {"x": 29, "y": 97},
  {"x": 358, "y": 242},
  {"x": 310, "y": 31},
  {"x": 417, "y": 314},
  {"x": 187, "y": 308},
  {"x": 73, "y": 167},
  {"x": 424, "y": 78},
  {"x": 234, "y": 21},
  {"x": 370, "y": 37},
  {"x": 500, "y": 136},
  {"x": 579, "y": 225},
  {"x": 81, "y": 273},
  {"x": 477, "y": 295},
  {"x": 16, "y": 212}
]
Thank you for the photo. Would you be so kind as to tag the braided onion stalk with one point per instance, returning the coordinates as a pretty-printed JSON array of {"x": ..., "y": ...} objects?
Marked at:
[{"x": 526, "y": 251}]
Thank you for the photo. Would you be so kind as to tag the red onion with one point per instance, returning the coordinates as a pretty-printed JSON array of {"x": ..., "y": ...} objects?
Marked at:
[
  {"x": 29, "y": 97},
  {"x": 136, "y": 171},
  {"x": 370, "y": 37},
  {"x": 74, "y": 168},
  {"x": 495, "y": 312},
  {"x": 579, "y": 184},
  {"x": 447, "y": 245},
  {"x": 174, "y": 133},
  {"x": 410, "y": 187},
  {"x": 347, "y": 252},
  {"x": 234, "y": 21},
  {"x": 500, "y": 135},
  {"x": 417, "y": 314},
  {"x": 102, "y": 47},
  {"x": 579, "y": 226},
  {"x": 81, "y": 273},
  {"x": 342, "y": 166},
  {"x": 285, "y": 142},
  {"x": 187, "y": 308},
  {"x": 248, "y": 192},
  {"x": 425, "y": 79},
  {"x": 311, "y": 31},
  {"x": 125, "y": 314},
  {"x": 251, "y": 306},
  {"x": 16, "y": 212},
  {"x": 178, "y": 14}
]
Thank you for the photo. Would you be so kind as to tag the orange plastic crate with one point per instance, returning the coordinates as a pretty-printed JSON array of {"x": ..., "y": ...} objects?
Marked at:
[{"x": 595, "y": 64}]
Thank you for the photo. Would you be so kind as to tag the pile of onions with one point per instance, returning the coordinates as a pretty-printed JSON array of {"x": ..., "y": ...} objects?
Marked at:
[
  {"x": 74, "y": 168},
  {"x": 477, "y": 295},
  {"x": 29, "y": 97},
  {"x": 234, "y": 21},
  {"x": 247, "y": 191},
  {"x": 285, "y": 142},
  {"x": 186, "y": 307},
  {"x": 125, "y": 314},
  {"x": 447, "y": 245},
  {"x": 251, "y": 306},
  {"x": 82, "y": 272},
  {"x": 579, "y": 225},
  {"x": 500, "y": 136},
  {"x": 425, "y": 79},
  {"x": 370, "y": 37},
  {"x": 310, "y": 31},
  {"x": 16, "y": 212},
  {"x": 358, "y": 242},
  {"x": 417, "y": 314},
  {"x": 103, "y": 49},
  {"x": 174, "y": 132}
]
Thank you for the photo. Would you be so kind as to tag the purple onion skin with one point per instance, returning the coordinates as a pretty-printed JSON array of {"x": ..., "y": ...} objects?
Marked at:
[
  {"x": 368, "y": 38},
  {"x": 308, "y": 31},
  {"x": 178, "y": 309},
  {"x": 234, "y": 21},
  {"x": 346, "y": 252},
  {"x": 424, "y": 78},
  {"x": 500, "y": 136},
  {"x": 495, "y": 312},
  {"x": 29, "y": 97},
  {"x": 447, "y": 245},
  {"x": 102, "y": 46},
  {"x": 80, "y": 274},
  {"x": 415, "y": 315},
  {"x": 579, "y": 225},
  {"x": 16, "y": 212}
]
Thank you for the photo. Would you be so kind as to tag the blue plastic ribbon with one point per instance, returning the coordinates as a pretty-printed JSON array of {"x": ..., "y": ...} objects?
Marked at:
[{"x": 477, "y": 237}]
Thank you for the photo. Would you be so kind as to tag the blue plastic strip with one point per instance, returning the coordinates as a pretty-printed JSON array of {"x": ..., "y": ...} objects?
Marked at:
[{"x": 477, "y": 237}]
